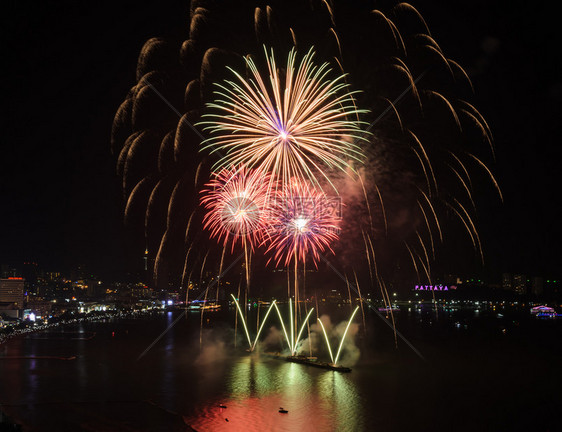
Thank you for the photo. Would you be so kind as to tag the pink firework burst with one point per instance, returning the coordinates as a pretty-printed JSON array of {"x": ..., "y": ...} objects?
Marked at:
[
  {"x": 236, "y": 200},
  {"x": 303, "y": 221}
]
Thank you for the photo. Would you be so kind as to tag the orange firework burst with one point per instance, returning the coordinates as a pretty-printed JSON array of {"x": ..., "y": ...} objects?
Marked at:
[{"x": 295, "y": 125}]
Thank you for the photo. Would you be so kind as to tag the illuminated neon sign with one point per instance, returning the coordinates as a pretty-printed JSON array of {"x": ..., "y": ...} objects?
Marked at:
[{"x": 432, "y": 288}]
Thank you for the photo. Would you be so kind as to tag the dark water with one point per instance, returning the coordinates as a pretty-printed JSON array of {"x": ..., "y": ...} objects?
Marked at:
[{"x": 479, "y": 373}]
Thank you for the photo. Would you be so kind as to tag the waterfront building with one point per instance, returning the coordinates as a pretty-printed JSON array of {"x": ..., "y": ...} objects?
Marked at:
[{"x": 12, "y": 290}]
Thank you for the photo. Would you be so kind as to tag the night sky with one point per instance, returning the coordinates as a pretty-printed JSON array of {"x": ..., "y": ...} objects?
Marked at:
[{"x": 67, "y": 67}]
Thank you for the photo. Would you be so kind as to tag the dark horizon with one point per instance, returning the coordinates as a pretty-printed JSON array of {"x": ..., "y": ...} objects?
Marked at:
[{"x": 72, "y": 65}]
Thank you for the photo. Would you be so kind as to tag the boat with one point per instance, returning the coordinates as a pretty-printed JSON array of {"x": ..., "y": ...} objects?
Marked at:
[
  {"x": 312, "y": 361},
  {"x": 543, "y": 312},
  {"x": 393, "y": 308},
  {"x": 309, "y": 361},
  {"x": 197, "y": 305},
  {"x": 282, "y": 410}
]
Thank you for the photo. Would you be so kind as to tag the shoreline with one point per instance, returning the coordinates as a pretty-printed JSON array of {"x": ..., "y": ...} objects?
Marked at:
[{"x": 4, "y": 338}]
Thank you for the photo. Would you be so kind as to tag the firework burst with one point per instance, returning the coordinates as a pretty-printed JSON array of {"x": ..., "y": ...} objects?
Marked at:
[
  {"x": 235, "y": 200},
  {"x": 303, "y": 222},
  {"x": 293, "y": 125}
]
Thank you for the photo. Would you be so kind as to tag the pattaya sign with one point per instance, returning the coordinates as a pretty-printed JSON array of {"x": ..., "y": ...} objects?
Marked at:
[{"x": 431, "y": 288}]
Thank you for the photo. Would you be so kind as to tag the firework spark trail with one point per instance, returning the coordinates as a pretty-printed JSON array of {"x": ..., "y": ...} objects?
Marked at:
[
  {"x": 292, "y": 326},
  {"x": 348, "y": 292},
  {"x": 391, "y": 312},
  {"x": 368, "y": 254},
  {"x": 301, "y": 330},
  {"x": 247, "y": 258},
  {"x": 360, "y": 302},
  {"x": 283, "y": 325},
  {"x": 292, "y": 126},
  {"x": 375, "y": 310},
  {"x": 204, "y": 300},
  {"x": 263, "y": 323},
  {"x": 220, "y": 272},
  {"x": 236, "y": 315},
  {"x": 369, "y": 251},
  {"x": 306, "y": 305},
  {"x": 251, "y": 345},
  {"x": 327, "y": 340},
  {"x": 203, "y": 270},
  {"x": 344, "y": 334},
  {"x": 294, "y": 337},
  {"x": 296, "y": 291},
  {"x": 258, "y": 316},
  {"x": 369, "y": 206},
  {"x": 398, "y": 98},
  {"x": 384, "y": 291},
  {"x": 187, "y": 289},
  {"x": 187, "y": 253},
  {"x": 243, "y": 320}
]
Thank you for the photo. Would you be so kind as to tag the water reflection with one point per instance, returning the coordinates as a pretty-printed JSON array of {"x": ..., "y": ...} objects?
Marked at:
[
  {"x": 344, "y": 403},
  {"x": 105, "y": 384},
  {"x": 257, "y": 387},
  {"x": 167, "y": 358}
]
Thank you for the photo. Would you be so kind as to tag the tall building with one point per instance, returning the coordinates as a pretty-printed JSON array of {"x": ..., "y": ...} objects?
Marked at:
[
  {"x": 11, "y": 291},
  {"x": 520, "y": 284}
]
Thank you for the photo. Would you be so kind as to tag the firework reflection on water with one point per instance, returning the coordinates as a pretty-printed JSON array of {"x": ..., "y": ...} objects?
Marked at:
[{"x": 317, "y": 400}]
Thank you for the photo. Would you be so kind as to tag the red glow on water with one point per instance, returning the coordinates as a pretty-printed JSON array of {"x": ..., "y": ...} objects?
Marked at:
[{"x": 262, "y": 414}]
